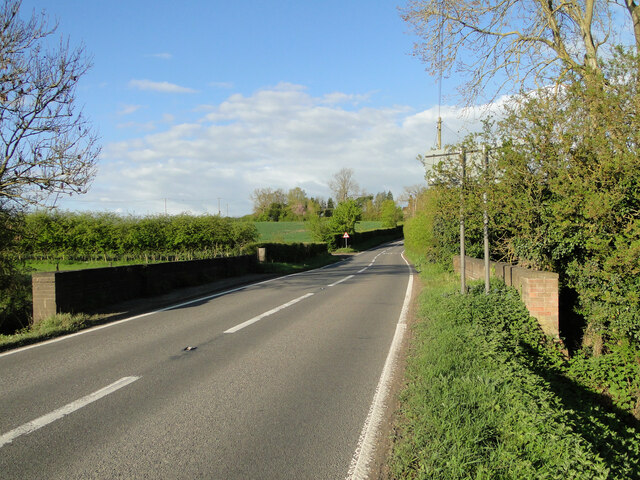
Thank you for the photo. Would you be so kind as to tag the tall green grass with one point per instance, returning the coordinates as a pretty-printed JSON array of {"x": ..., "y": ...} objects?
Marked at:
[{"x": 486, "y": 398}]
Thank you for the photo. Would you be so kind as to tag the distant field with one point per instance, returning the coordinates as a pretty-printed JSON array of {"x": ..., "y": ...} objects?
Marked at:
[
  {"x": 285, "y": 232},
  {"x": 368, "y": 225},
  {"x": 297, "y": 231}
]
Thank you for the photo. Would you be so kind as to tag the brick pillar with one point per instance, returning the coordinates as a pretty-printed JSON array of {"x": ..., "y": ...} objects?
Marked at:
[
  {"x": 44, "y": 295},
  {"x": 540, "y": 295}
]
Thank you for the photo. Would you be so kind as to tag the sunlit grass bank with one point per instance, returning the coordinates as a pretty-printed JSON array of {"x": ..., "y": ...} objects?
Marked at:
[{"x": 486, "y": 398}]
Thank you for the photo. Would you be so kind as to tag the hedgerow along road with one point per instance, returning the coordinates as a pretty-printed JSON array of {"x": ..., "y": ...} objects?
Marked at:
[{"x": 283, "y": 379}]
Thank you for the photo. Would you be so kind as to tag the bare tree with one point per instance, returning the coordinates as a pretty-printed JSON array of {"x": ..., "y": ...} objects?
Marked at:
[
  {"x": 343, "y": 185},
  {"x": 47, "y": 148},
  {"x": 410, "y": 195},
  {"x": 263, "y": 198},
  {"x": 510, "y": 45}
]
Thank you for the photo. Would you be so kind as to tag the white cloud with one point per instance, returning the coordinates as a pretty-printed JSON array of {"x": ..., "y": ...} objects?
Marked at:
[
  {"x": 163, "y": 87},
  {"x": 279, "y": 137},
  {"x": 128, "y": 109}
]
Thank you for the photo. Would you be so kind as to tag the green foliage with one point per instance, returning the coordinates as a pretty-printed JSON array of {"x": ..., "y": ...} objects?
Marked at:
[
  {"x": 432, "y": 232},
  {"x": 390, "y": 214},
  {"x": 563, "y": 194},
  {"x": 345, "y": 216},
  {"x": 100, "y": 235},
  {"x": 486, "y": 398},
  {"x": 277, "y": 206},
  {"x": 59, "y": 324},
  {"x": 321, "y": 230},
  {"x": 15, "y": 286}
]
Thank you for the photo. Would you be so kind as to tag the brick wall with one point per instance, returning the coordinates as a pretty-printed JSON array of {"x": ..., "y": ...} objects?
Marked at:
[
  {"x": 85, "y": 290},
  {"x": 538, "y": 290}
]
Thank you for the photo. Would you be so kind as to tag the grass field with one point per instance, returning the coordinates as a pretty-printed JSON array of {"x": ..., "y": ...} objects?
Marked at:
[
  {"x": 284, "y": 232},
  {"x": 294, "y": 232}
]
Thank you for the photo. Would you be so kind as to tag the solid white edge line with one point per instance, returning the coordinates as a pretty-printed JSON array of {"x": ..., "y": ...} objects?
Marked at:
[
  {"x": 266, "y": 314},
  {"x": 359, "y": 467},
  {"x": 340, "y": 281},
  {"x": 45, "y": 420}
]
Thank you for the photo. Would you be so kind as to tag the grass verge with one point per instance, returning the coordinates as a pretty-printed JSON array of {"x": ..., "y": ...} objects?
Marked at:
[
  {"x": 55, "y": 326},
  {"x": 486, "y": 397}
]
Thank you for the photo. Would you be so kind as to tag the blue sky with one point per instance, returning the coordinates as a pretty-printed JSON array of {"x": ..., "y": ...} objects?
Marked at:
[{"x": 198, "y": 103}]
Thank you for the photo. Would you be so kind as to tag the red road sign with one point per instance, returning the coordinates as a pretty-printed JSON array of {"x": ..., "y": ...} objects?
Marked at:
[{"x": 346, "y": 235}]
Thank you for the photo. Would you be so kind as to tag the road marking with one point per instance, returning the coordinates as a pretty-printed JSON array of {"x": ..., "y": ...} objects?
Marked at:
[
  {"x": 266, "y": 314},
  {"x": 340, "y": 281},
  {"x": 40, "y": 422},
  {"x": 359, "y": 468},
  {"x": 128, "y": 319}
]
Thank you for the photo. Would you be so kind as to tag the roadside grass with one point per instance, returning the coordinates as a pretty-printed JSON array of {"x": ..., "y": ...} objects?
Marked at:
[
  {"x": 486, "y": 397},
  {"x": 55, "y": 326}
]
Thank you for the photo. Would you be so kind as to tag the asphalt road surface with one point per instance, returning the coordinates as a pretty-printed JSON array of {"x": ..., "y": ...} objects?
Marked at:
[{"x": 278, "y": 383}]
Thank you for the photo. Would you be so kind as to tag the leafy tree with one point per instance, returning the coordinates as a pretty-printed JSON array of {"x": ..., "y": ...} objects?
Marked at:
[
  {"x": 345, "y": 216},
  {"x": 320, "y": 229},
  {"x": 297, "y": 203},
  {"x": 330, "y": 207},
  {"x": 390, "y": 214}
]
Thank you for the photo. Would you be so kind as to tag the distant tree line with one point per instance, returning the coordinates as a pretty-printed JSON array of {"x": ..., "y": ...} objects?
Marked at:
[{"x": 276, "y": 205}]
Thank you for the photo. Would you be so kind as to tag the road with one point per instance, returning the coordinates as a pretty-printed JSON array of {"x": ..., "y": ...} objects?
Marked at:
[{"x": 279, "y": 385}]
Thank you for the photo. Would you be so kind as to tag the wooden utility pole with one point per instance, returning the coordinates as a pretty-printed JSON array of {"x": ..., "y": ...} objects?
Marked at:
[
  {"x": 463, "y": 173},
  {"x": 487, "y": 276}
]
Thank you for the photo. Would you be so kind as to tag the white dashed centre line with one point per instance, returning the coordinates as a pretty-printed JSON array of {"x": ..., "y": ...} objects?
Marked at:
[
  {"x": 45, "y": 420},
  {"x": 266, "y": 314}
]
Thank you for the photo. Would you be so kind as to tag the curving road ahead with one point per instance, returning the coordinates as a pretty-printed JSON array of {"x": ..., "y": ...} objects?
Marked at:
[{"x": 279, "y": 385}]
